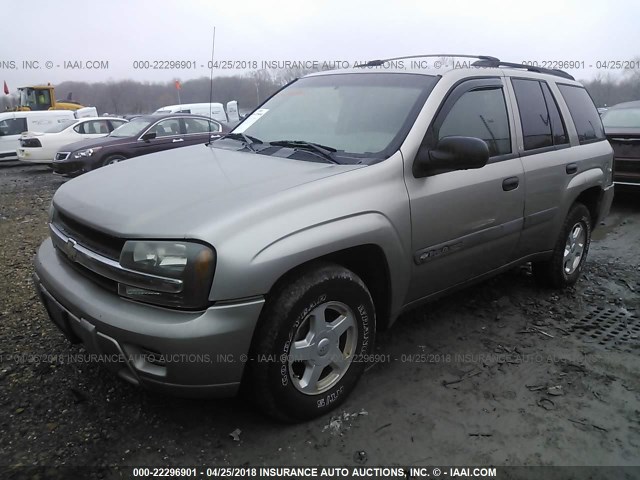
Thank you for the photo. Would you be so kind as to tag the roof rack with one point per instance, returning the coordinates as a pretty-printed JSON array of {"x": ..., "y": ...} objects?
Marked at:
[
  {"x": 482, "y": 61},
  {"x": 377, "y": 63},
  {"x": 495, "y": 63}
]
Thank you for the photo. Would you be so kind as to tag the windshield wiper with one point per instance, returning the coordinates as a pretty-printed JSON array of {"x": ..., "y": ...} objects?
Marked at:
[
  {"x": 323, "y": 150},
  {"x": 247, "y": 139}
]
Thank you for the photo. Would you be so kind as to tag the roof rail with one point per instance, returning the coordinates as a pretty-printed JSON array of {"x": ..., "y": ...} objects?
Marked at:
[
  {"x": 495, "y": 63},
  {"x": 482, "y": 61},
  {"x": 377, "y": 63}
]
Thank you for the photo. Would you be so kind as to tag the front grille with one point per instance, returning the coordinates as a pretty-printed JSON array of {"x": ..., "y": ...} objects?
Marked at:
[
  {"x": 62, "y": 156},
  {"x": 30, "y": 143},
  {"x": 104, "y": 282},
  {"x": 99, "y": 242}
]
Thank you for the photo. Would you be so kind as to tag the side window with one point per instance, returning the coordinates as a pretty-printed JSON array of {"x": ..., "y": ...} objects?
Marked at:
[
  {"x": 166, "y": 128},
  {"x": 583, "y": 112},
  {"x": 113, "y": 124},
  {"x": 196, "y": 125},
  {"x": 534, "y": 116},
  {"x": 13, "y": 126},
  {"x": 94, "y": 127},
  {"x": 482, "y": 114},
  {"x": 558, "y": 129},
  {"x": 101, "y": 127}
]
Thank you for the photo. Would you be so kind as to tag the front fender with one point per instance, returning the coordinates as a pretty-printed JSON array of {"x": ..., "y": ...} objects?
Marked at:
[{"x": 296, "y": 248}]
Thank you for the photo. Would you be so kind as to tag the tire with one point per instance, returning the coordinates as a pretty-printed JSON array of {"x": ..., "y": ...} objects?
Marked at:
[
  {"x": 292, "y": 343},
  {"x": 564, "y": 267},
  {"x": 111, "y": 159}
]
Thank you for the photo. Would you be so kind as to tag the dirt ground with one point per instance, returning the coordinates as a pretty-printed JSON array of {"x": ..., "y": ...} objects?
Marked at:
[{"x": 503, "y": 373}]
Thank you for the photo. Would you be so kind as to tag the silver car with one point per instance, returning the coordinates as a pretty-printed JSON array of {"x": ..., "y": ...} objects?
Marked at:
[{"x": 271, "y": 256}]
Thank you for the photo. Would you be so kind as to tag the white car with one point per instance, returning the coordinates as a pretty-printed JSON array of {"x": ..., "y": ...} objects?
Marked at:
[{"x": 41, "y": 147}]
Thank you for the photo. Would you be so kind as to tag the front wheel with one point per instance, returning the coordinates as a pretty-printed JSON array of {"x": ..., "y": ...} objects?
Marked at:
[
  {"x": 113, "y": 159},
  {"x": 570, "y": 253},
  {"x": 315, "y": 334}
]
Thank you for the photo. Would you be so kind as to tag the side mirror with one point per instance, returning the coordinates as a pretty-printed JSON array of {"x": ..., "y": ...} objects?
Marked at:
[
  {"x": 149, "y": 136},
  {"x": 451, "y": 153}
]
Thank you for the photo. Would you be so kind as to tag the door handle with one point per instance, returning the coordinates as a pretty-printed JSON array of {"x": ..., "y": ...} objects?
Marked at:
[
  {"x": 572, "y": 168},
  {"x": 175, "y": 140},
  {"x": 510, "y": 183}
]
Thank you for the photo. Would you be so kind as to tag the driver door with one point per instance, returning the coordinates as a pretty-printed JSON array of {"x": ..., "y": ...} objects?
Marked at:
[
  {"x": 467, "y": 222},
  {"x": 168, "y": 135}
]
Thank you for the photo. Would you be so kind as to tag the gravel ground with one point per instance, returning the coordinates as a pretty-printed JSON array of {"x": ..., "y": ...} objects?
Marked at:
[{"x": 503, "y": 373}]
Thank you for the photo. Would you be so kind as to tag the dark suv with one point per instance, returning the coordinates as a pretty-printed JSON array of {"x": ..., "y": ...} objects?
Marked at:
[{"x": 142, "y": 135}]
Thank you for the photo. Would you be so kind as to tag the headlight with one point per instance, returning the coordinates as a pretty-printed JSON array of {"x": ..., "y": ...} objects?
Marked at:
[
  {"x": 191, "y": 262},
  {"x": 86, "y": 153}
]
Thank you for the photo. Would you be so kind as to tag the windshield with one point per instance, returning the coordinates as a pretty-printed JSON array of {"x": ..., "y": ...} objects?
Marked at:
[
  {"x": 131, "y": 129},
  {"x": 362, "y": 115},
  {"x": 622, "y": 118},
  {"x": 61, "y": 126}
]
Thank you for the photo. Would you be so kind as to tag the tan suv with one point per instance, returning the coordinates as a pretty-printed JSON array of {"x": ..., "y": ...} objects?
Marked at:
[{"x": 273, "y": 255}]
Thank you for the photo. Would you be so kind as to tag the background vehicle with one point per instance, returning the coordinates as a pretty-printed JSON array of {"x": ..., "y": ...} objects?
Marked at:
[
  {"x": 211, "y": 110},
  {"x": 42, "y": 97},
  {"x": 289, "y": 242},
  {"x": 41, "y": 147},
  {"x": 14, "y": 124},
  {"x": 142, "y": 135},
  {"x": 622, "y": 126}
]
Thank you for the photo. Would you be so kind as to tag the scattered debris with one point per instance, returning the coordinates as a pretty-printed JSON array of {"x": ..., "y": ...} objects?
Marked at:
[
  {"x": 360, "y": 457},
  {"x": 340, "y": 422},
  {"x": 446, "y": 383},
  {"x": 577, "y": 421},
  {"x": 546, "y": 404},
  {"x": 235, "y": 435},
  {"x": 382, "y": 427},
  {"x": 535, "y": 388},
  {"x": 555, "y": 391},
  {"x": 536, "y": 330}
]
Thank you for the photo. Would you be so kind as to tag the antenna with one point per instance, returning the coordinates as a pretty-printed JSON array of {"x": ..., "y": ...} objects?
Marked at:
[{"x": 213, "y": 49}]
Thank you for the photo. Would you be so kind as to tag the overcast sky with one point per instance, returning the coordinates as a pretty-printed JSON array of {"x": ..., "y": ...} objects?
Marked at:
[{"x": 121, "y": 32}]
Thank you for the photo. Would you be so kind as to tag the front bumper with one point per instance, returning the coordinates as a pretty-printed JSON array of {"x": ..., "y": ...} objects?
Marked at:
[
  {"x": 192, "y": 354},
  {"x": 69, "y": 167}
]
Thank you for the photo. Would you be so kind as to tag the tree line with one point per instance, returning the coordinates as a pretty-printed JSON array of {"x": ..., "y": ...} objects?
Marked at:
[{"x": 133, "y": 97}]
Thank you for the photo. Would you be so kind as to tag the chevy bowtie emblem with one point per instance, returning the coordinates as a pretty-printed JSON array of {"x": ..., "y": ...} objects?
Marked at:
[{"x": 70, "y": 249}]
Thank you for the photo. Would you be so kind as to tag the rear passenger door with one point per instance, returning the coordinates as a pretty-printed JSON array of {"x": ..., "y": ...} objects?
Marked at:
[
  {"x": 548, "y": 161},
  {"x": 466, "y": 223},
  {"x": 199, "y": 130}
]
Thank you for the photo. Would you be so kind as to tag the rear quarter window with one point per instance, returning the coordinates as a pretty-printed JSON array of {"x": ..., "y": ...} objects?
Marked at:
[{"x": 583, "y": 112}]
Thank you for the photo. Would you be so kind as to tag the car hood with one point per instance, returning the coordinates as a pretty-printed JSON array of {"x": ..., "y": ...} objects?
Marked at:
[
  {"x": 97, "y": 142},
  {"x": 185, "y": 192}
]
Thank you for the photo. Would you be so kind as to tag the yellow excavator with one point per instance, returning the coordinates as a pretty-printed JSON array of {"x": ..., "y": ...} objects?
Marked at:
[{"x": 42, "y": 97}]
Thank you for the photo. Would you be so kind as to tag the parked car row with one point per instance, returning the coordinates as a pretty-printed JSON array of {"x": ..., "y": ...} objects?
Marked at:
[
  {"x": 142, "y": 135},
  {"x": 72, "y": 146},
  {"x": 41, "y": 147},
  {"x": 14, "y": 124}
]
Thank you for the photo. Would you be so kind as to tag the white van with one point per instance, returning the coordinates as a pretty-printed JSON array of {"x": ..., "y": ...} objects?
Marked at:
[
  {"x": 13, "y": 124},
  {"x": 213, "y": 110}
]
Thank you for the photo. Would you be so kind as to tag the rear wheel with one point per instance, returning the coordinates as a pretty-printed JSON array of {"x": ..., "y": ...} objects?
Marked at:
[
  {"x": 570, "y": 253},
  {"x": 315, "y": 332}
]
